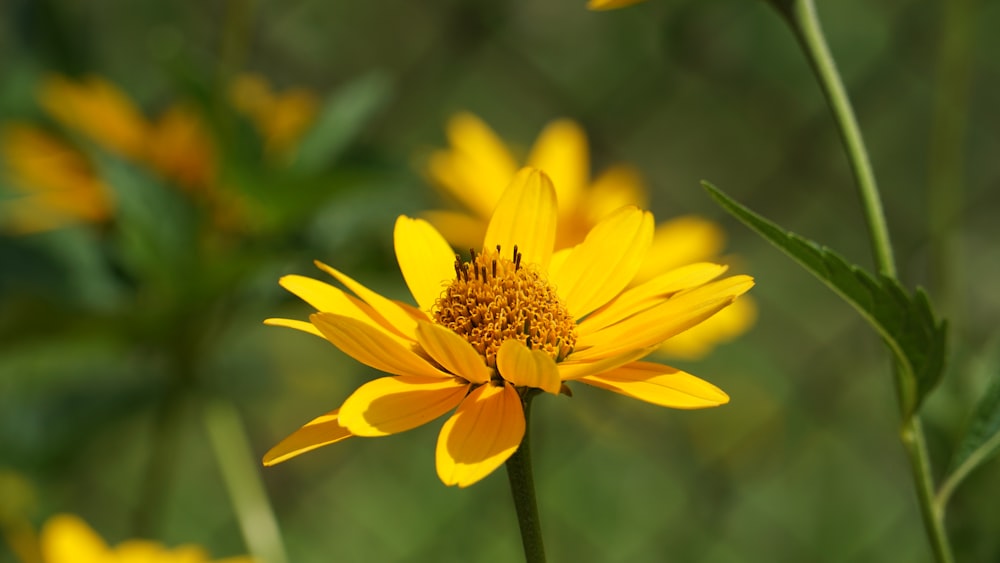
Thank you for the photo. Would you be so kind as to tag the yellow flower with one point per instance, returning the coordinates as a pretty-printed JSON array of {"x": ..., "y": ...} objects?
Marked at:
[
  {"x": 58, "y": 185},
  {"x": 98, "y": 109},
  {"x": 600, "y": 5},
  {"x": 182, "y": 150},
  {"x": 280, "y": 118},
  {"x": 516, "y": 315},
  {"x": 68, "y": 539},
  {"x": 477, "y": 166}
]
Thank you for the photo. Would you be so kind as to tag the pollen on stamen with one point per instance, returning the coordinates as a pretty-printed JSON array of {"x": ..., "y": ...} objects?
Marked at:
[{"x": 514, "y": 301}]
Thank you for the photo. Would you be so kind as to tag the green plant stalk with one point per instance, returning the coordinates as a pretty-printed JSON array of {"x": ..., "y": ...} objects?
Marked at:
[
  {"x": 806, "y": 25},
  {"x": 804, "y": 21},
  {"x": 242, "y": 479},
  {"x": 522, "y": 488}
]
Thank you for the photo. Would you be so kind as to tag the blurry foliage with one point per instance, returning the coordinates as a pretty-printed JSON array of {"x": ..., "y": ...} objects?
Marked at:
[{"x": 96, "y": 322}]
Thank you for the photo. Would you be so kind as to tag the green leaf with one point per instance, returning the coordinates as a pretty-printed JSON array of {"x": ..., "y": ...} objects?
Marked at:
[
  {"x": 905, "y": 321},
  {"x": 342, "y": 118},
  {"x": 982, "y": 436}
]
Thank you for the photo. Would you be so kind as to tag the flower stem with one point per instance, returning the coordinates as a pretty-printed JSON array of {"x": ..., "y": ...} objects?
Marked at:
[
  {"x": 242, "y": 479},
  {"x": 801, "y": 15},
  {"x": 805, "y": 23},
  {"x": 522, "y": 488}
]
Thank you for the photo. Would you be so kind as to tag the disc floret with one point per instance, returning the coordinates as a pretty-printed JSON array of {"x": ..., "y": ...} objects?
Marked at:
[{"x": 495, "y": 298}]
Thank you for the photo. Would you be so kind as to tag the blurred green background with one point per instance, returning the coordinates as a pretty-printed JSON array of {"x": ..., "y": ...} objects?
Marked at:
[{"x": 110, "y": 348}]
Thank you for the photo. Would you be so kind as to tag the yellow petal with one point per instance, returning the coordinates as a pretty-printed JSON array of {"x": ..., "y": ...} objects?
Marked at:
[
  {"x": 561, "y": 152},
  {"x": 372, "y": 346},
  {"x": 318, "y": 432},
  {"x": 148, "y": 551},
  {"x": 600, "y": 5},
  {"x": 602, "y": 265},
  {"x": 389, "y": 405},
  {"x": 478, "y": 166},
  {"x": 727, "y": 324},
  {"x": 656, "y": 324},
  {"x": 68, "y": 539},
  {"x": 473, "y": 138},
  {"x": 297, "y": 325},
  {"x": 660, "y": 385},
  {"x": 453, "y": 352},
  {"x": 651, "y": 293},
  {"x": 322, "y": 296},
  {"x": 526, "y": 217},
  {"x": 462, "y": 230},
  {"x": 558, "y": 259},
  {"x": 681, "y": 241},
  {"x": 329, "y": 299},
  {"x": 486, "y": 429},
  {"x": 573, "y": 368},
  {"x": 616, "y": 187},
  {"x": 398, "y": 318},
  {"x": 425, "y": 258},
  {"x": 527, "y": 368}
]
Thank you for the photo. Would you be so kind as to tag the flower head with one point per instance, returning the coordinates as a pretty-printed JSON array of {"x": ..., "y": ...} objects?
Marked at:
[
  {"x": 513, "y": 316},
  {"x": 476, "y": 167},
  {"x": 68, "y": 539}
]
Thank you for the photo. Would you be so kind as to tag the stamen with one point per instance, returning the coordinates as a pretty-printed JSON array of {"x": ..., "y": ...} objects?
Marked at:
[{"x": 499, "y": 300}]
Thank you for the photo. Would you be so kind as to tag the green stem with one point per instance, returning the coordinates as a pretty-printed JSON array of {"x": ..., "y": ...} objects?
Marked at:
[
  {"x": 805, "y": 23},
  {"x": 242, "y": 479},
  {"x": 912, "y": 435},
  {"x": 801, "y": 14},
  {"x": 522, "y": 487}
]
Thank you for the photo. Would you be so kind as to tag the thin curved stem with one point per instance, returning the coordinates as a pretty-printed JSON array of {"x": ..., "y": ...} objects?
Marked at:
[
  {"x": 522, "y": 488},
  {"x": 805, "y": 23},
  {"x": 801, "y": 15},
  {"x": 242, "y": 479}
]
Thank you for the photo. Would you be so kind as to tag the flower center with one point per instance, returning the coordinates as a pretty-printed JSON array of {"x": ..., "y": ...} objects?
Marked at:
[{"x": 495, "y": 298}]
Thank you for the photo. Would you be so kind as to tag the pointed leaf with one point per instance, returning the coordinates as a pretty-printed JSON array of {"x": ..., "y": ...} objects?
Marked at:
[
  {"x": 341, "y": 120},
  {"x": 982, "y": 436},
  {"x": 906, "y": 322}
]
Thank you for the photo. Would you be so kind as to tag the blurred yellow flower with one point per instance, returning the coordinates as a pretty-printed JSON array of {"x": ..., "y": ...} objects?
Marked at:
[
  {"x": 98, "y": 109},
  {"x": 600, "y": 5},
  {"x": 515, "y": 316},
  {"x": 280, "y": 118},
  {"x": 68, "y": 539},
  {"x": 475, "y": 168},
  {"x": 58, "y": 185},
  {"x": 182, "y": 149},
  {"x": 178, "y": 146}
]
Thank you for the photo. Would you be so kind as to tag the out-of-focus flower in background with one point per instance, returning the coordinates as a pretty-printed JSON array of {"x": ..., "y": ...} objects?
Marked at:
[
  {"x": 66, "y": 538},
  {"x": 517, "y": 316},
  {"x": 478, "y": 164},
  {"x": 62, "y": 186},
  {"x": 280, "y": 118},
  {"x": 600, "y": 5},
  {"x": 57, "y": 185}
]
